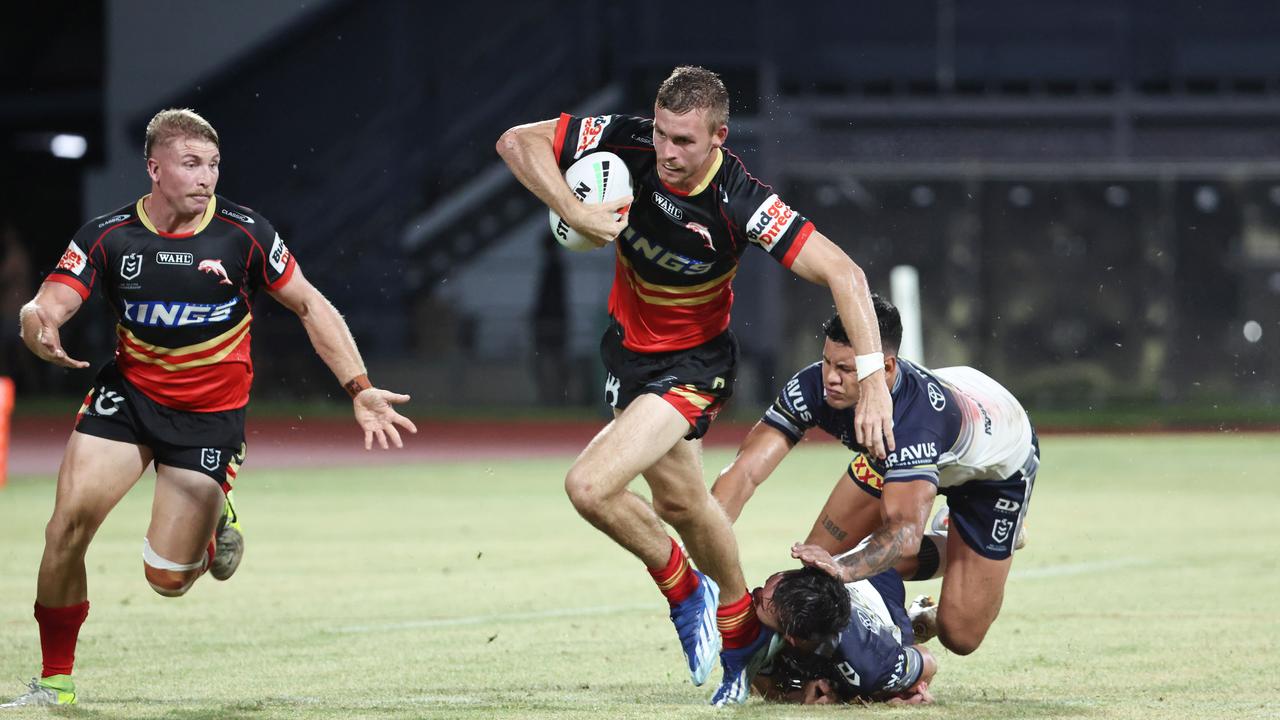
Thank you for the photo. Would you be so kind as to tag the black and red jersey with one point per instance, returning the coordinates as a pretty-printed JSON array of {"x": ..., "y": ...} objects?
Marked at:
[
  {"x": 183, "y": 300},
  {"x": 672, "y": 286}
]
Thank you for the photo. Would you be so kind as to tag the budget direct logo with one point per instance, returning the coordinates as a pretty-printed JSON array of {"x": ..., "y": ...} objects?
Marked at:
[
  {"x": 769, "y": 222},
  {"x": 590, "y": 134}
]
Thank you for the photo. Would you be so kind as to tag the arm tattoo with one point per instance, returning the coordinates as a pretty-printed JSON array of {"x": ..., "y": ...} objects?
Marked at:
[{"x": 883, "y": 550}]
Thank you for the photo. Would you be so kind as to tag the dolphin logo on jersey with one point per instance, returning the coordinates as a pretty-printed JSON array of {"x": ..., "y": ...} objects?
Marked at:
[
  {"x": 214, "y": 267},
  {"x": 702, "y": 231}
]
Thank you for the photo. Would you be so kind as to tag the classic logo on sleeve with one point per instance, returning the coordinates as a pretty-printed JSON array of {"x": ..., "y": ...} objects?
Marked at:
[
  {"x": 279, "y": 256},
  {"x": 769, "y": 222},
  {"x": 73, "y": 260},
  {"x": 590, "y": 134}
]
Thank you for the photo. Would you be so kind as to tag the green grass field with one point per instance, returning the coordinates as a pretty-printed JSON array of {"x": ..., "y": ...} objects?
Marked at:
[{"x": 472, "y": 590}]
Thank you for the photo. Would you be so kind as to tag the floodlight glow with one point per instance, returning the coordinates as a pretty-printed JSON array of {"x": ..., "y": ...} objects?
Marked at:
[{"x": 71, "y": 147}]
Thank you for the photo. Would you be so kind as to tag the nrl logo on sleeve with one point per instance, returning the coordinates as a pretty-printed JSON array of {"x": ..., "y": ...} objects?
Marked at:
[
  {"x": 590, "y": 134},
  {"x": 73, "y": 260},
  {"x": 174, "y": 258},
  {"x": 769, "y": 222},
  {"x": 237, "y": 216}
]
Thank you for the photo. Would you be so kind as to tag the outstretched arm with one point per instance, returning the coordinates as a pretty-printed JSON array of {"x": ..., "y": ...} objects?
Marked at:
[
  {"x": 759, "y": 455},
  {"x": 529, "y": 151},
  {"x": 821, "y": 262},
  {"x": 332, "y": 340},
  {"x": 906, "y": 507},
  {"x": 40, "y": 319}
]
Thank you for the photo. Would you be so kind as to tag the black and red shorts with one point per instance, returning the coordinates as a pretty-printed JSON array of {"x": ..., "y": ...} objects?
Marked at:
[
  {"x": 209, "y": 443},
  {"x": 696, "y": 381}
]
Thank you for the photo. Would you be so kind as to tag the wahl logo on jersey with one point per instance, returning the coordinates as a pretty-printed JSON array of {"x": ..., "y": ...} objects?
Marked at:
[
  {"x": 668, "y": 207},
  {"x": 174, "y": 258},
  {"x": 237, "y": 216},
  {"x": 769, "y": 222},
  {"x": 73, "y": 260},
  {"x": 130, "y": 266},
  {"x": 590, "y": 133},
  {"x": 214, "y": 267}
]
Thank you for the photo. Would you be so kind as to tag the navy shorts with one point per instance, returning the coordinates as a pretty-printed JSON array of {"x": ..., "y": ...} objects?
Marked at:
[
  {"x": 986, "y": 514},
  {"x": 208, "y": 443},
  {"x": 696, "y": 381}
]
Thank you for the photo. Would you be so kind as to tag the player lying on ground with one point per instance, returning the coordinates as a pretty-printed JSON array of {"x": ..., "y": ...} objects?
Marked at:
[
  {"x": 840, "y": 643},
  {"x": 959, "y": 434},
  {"x": 670, "y": 357},
  {"x": 180, "y": 267}
]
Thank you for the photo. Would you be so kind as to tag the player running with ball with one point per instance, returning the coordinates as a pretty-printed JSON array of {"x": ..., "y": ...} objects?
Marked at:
[{"x": 669, "y": 354}]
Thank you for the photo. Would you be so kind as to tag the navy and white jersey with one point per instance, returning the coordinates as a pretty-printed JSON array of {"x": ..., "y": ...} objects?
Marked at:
[
  {"x": 873, "y": 656},
  {"x": 950, "y": 425}
]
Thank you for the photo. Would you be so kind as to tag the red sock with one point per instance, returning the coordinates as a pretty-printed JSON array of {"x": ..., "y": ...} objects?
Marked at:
[
  {"x": 677, "y": 580},
  {"x": 739, "y": 626},
  {"x": 59, "y": 628}
]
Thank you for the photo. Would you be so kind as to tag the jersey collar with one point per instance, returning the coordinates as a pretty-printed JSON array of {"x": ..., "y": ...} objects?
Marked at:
[
  {"x": 204, "y": 221},
  {"x": 711, "y": 173}
]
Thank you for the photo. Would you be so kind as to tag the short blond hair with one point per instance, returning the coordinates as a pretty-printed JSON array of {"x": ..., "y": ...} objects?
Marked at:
[
  {"x": 177, "y": 123},
  {"x": 690, "y": 87}
]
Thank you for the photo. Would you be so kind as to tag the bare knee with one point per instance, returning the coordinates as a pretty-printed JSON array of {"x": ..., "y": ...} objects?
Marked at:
[
  {"x": 70, "y": 530},
  {"x": 961, "y": 638},
  {"x": 587, "y": 495},
  {"x": 170, "y": 583}
]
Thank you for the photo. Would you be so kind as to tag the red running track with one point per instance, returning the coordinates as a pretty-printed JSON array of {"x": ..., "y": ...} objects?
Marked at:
[{"x": 36, "y": 444}]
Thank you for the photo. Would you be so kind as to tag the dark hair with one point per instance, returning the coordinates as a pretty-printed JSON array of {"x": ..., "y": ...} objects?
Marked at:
[
  {"x": 691, "y": 88},
  {"x": 811, "y": 604},
  {"x": 887, "y": 316}
]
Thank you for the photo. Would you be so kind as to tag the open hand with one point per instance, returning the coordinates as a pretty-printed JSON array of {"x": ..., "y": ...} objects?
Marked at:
[
  {"x": 815, "y": 556},
  {"x": 48, "y": 344},
  {"x": 378, "y": 419}
]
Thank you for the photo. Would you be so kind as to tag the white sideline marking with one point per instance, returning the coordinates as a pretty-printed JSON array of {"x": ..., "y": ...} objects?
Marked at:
[
  {"x": 1079, "y": 568},
  {"x": 500, "y": 618}
]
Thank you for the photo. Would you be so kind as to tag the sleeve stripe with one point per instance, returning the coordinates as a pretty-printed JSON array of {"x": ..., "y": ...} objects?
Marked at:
[
  {"x": 73, "y": 283},
  {"x": 284, "y": 277},
  {"x": 929, "y": 473},
  {"x": 778, "y": 421},
  {"x": 562, "y": 128},
  {"x": 801, "y": 237}
]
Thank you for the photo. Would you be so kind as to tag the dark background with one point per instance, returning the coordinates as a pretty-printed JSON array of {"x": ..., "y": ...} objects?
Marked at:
[{"x": 1089, "y": 190}]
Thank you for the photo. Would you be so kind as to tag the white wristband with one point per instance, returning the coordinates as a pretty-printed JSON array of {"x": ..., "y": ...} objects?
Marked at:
[{"x": 869, "y": 364}]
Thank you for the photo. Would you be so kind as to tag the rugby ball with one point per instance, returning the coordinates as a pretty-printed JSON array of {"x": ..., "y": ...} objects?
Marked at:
[{"x": 596, "y": 178}]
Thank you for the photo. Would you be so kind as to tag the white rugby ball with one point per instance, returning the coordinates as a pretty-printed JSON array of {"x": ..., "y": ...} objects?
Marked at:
[{"x": 596, "y": 178}]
